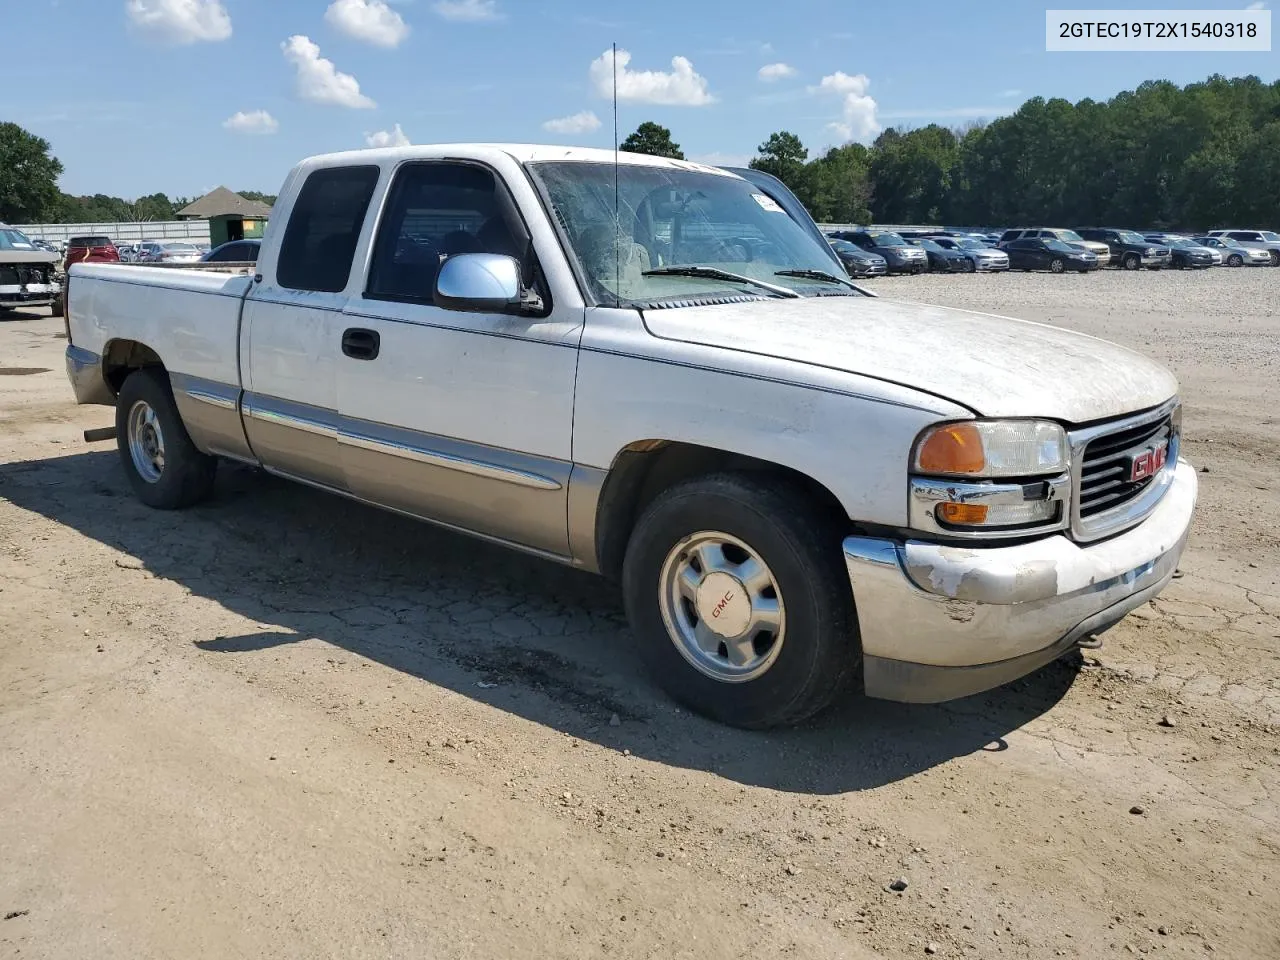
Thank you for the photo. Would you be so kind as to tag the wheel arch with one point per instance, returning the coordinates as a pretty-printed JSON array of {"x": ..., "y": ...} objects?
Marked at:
[
  {"x": 122, "y": 356},
  {"x": 644, "y": 468}
]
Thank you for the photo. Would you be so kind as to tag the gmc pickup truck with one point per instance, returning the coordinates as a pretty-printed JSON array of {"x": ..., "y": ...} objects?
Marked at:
[{"x": 653, "y": 371}]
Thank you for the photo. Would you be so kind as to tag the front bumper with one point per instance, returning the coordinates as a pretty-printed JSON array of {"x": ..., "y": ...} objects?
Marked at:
[
  {"x": 84, "y": 370},
  {"x": 939, "y": 622},
  {"x": 28, "y": 294},
  {"x": 991, "y": 264}
]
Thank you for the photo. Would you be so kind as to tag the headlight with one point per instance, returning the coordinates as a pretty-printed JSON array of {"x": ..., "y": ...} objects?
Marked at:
[
  {"x": 1149, "y": 252},
  {"x": 991, "y": 448}
]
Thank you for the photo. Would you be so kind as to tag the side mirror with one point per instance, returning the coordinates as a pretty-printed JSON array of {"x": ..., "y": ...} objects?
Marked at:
[{"x": 478, "y": 283}]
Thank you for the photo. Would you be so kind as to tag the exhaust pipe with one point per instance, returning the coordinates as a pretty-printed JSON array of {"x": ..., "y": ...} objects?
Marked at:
[{"x": 100, "y": 433}]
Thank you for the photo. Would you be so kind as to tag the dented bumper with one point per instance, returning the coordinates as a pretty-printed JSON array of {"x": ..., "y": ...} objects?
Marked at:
[{"x": 940, "y": 622}]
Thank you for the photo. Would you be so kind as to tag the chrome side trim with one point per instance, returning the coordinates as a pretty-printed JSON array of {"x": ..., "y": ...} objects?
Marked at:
[
  {"x": 488, "y": 538},
  {"x": 210, "y": 410},
  {"x": 213, "y": 399},
  {"x": 255, "y": 409},
  {"x": 927, "y": 493},
  {"x": 1133, "y": 511},
  {"x": 585, "y": 486},
  {"x": 437, "y": 458}
]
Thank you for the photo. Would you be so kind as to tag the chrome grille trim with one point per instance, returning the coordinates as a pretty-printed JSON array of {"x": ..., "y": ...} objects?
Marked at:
[{"x": 1103, "y": 517}]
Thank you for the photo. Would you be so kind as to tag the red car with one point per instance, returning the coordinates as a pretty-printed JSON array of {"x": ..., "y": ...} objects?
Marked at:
[{"x": 90, "y": 250}]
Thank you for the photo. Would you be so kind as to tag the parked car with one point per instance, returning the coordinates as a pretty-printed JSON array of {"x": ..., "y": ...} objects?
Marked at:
[
  {"x": 858, "y": 262},
  {"x": 1255, "y": 240},
  {"x": 1046, "y": 253},
  {"x": 984, "y": 257},
  {"x": 128, "y": 252},
  {"x": 170, "y": 251},
  {"x": 234, "y": 251},
  {"x": 1234, "y": 253},
  {"x": 1128, "y": 248},
  {"x": 90, "y": 249},
  {"x": 42, "y": 244},
  {"x": 900, "y": 256},
  {"x": 942, "y": 260},
  {"x": 929, "y": 500},
  {"x": 28, "y": 274},
  {"x": 1185, "y": 253},
  {"x": 1096, "y": 247}
]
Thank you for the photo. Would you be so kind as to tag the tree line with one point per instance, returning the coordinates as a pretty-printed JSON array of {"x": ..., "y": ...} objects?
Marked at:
[{"x": 1160, "y": 157}]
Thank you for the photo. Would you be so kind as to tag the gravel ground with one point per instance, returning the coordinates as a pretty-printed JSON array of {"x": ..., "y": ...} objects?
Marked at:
[{"x": 283, "y": 725}]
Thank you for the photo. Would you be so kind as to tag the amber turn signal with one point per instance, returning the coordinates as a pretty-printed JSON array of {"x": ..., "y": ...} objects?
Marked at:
[
  {"x": 952, "y": 449},
  {"x": 962, "y": 513}
]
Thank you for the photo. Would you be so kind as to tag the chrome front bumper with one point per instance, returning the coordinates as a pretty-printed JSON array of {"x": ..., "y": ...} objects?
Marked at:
[
  {"x": 84, "y": 370},
  {"x": 939, "y": 622}
]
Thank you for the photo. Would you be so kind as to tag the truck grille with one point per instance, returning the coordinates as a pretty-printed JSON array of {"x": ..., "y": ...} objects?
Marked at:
[
  {"x": 13, "y": 274},
  {"x": 1104, "y": 474}
]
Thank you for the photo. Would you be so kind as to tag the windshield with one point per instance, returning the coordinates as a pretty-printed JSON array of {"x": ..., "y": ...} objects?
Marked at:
[
  {"x": 929, "y": 244},
  {"x": 669, "y": 218},
  {"x": 180, "y": 247},
  {"x": 1270, "y": 237},
  {"x": 844, "y": 246},
  {"x": 14, "y": 240},
  {"x": 1176, "y": 242},
  {"x": 968, "y": 243},
  {"x": 887, "y": 240},
  {"x": 1061, "y": 247},
  {"x": 1070, "y": 236},
  {"x": 1128, "y": 236}
]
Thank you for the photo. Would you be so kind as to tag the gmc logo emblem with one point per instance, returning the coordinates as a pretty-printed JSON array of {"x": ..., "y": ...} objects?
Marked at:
[
  {"x": 724, "y": 602},
  {"x": 1148, "y": 463}
]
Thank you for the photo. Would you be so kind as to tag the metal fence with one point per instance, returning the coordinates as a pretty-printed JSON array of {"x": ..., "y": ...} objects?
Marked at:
[{"x": 197, "y": 230}]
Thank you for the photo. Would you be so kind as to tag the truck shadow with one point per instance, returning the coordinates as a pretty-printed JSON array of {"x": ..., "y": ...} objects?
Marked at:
[{"x": 531, "y": 638}]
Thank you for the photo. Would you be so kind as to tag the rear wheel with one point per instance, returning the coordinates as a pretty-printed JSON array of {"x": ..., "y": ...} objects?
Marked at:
[
  {"x": 1132, "y": 261},
  {"x": 739, "y": 600},
  {"x": 164, "y": 467}
]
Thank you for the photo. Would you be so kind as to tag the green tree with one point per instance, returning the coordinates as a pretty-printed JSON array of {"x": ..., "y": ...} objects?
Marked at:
[
  {"x": 911, "y": 175},
  {"x": 28, "y": 176},
  {"x": 653, "y": 139},
  {"x": 839, "y": 185},
  {"x": 783, "y": 155}
]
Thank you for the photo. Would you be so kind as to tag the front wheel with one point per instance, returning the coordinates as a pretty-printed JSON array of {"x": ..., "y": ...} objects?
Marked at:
[
  {"x": 1275, "y": 257},
  {"x": 1235, "y": 260},
  {"x": 164, "y": 467},
  {"x": 1056, "y": 265},
  {"x": 1132, "y": 261},
  {"x": 738, "y": 598},
  {"x": 970, "y": 265}
]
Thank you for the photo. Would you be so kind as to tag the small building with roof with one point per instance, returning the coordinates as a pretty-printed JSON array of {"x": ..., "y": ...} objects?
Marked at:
[{"x": 230, "y": 216}]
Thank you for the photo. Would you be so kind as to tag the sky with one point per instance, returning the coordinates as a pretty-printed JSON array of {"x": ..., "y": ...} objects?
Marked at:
[{"x": 180, "y": 96}]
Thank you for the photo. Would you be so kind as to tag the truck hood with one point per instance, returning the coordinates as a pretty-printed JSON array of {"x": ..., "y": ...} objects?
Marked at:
[
  {"x": 28, "y": 256},
  {"x": 995, "y": 366}
]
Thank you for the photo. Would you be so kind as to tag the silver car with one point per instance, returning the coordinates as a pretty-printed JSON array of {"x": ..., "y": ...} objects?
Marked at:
[
  {"x": 171, "y": 251},
  {"x": 1254, "y": 239},
  {"x": 985, "y": 258},
  {"x": 1234, "y": 253}
]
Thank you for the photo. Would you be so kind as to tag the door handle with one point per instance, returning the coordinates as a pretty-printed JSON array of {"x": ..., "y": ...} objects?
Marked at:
[{"x": 360, "y": 344}]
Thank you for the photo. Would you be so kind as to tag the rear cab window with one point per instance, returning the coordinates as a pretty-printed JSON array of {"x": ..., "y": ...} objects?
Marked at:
[{"x": 324, "y": 228}]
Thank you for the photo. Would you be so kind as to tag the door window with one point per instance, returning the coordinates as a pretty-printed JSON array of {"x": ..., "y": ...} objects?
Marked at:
[
  {"x": 437, "y": 210},
  {"x": 324, "y": 228}
]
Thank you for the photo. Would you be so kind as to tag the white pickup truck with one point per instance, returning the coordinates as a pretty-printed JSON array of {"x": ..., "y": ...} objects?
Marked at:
[{"x": 652, "y": 371}]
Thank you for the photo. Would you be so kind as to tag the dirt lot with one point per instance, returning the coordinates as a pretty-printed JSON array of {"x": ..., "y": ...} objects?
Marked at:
[{"x": 282, "y": 725}]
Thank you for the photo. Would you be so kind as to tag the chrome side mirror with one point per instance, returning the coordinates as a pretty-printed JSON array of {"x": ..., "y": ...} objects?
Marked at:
[{"x": 478, "y": 282}]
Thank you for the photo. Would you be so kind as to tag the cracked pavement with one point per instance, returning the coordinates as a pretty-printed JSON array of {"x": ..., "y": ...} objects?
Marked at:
[{"x": 285, "y": 725}]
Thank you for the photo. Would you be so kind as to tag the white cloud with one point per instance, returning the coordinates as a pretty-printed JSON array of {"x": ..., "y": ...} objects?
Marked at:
[
  {"x": 180, "y": 21},
  {"x": 318, "y": 80},
  {"x": 255, "y": 121},
  {"x": 394, "y": 137},
  {"x": 1013, "y": 92},
  {"x": 858, "y": 118},
  {"x": 776, "y": 71},
  {"x": 369, "y": 20},
  {"x": 583, "y": 122},
  {"x": 682, "y": 87},
  {"x": 471, "y": 10}
]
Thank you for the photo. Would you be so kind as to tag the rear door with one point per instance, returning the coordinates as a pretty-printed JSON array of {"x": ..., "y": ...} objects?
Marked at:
[
  {"x": 462, "y": 418},
  {"x": 292, "y": 328}
]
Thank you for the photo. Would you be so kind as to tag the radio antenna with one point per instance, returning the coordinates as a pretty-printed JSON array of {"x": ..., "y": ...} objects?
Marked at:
[{"x": 617, "y": 215}]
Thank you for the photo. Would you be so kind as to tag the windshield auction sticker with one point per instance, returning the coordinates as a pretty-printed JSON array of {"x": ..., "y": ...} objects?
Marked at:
[{"x": 1157, "y": 30}]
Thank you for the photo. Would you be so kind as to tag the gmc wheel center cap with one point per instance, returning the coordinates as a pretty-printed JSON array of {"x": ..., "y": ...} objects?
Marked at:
[{"x": 723, "y": 604}]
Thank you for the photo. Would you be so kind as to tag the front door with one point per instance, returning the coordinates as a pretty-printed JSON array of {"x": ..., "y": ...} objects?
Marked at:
[
  {"x": 292, "y": 327},
  {"x": 462, "y": 418}
]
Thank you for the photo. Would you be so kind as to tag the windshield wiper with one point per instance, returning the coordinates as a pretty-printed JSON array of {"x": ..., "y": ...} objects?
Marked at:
[
  {"x": 714, "y": 273},
  {"x": 828, "y": 277}
]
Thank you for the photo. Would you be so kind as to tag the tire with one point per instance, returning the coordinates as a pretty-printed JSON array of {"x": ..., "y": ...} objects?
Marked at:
[
  {"x": 1235, "y": 260},
  {"x": 970, "y": 265},
  {"x": 782, "y": 678},
  {"x": 145, "y": 414},
  {"x": 1275, "y": 257},
  {"x": 1056, "y": 265},
  {"x": 1131, "y": 261},
  {"x": 56, "y": 308}
]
